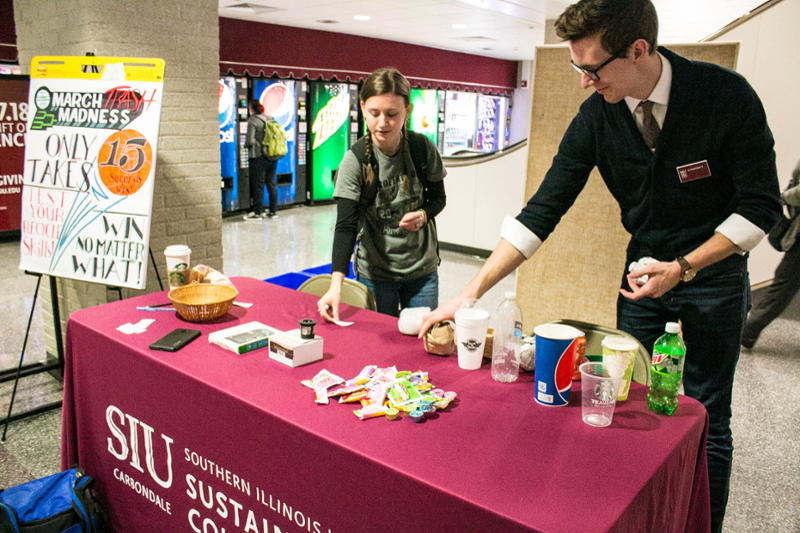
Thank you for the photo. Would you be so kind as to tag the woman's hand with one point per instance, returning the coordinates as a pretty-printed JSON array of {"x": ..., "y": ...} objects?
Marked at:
[
  {"x": 413, "y": 221},
  {"x": 328, "y": 305}
]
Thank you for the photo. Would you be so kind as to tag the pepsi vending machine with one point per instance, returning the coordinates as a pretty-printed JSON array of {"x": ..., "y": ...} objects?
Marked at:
[
  {"x": 282, "y": 100},
  {"x": 228, "y": 128},
  {"x": 334, "y": 122}
]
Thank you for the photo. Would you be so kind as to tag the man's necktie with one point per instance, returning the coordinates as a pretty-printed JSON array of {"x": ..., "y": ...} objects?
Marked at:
[{"x": 650, "y": 127}]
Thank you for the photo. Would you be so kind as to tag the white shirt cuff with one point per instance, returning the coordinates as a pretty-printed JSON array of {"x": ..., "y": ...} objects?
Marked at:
[
  {"x": 520, "y": 237},
  {"x": 741, "y": 232}
]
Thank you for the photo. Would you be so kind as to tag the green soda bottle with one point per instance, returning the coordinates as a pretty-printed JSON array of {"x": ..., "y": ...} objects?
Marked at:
[{"x": 666, "y": 370}]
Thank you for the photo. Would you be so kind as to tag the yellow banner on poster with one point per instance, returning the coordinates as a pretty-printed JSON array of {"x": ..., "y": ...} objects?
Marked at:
[{"x": 90, "y": 158}]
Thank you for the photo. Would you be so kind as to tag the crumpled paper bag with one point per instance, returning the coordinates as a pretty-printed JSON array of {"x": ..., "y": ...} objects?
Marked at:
[
  {"x": 440, "y": 340},
  {"x": 206, "y": 274}
]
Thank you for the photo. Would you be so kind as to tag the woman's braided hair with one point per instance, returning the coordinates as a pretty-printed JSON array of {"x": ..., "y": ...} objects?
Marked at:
[{"x": 385, "y": 81}]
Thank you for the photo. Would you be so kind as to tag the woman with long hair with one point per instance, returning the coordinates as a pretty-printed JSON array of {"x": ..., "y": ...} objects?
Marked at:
[{"x": 386, "y": 207}]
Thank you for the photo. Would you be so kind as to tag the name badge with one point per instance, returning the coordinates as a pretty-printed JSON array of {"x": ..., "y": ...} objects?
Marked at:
[{"x": 694, "y": 171}]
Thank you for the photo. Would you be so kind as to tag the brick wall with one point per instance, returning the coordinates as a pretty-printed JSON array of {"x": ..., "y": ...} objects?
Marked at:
[{"x": 185, "y": 34}]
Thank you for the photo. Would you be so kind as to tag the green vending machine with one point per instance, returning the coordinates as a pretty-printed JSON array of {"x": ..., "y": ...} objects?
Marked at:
[
  {"x": 425, "y": 115},
  {"x": 334, "y": 113}
]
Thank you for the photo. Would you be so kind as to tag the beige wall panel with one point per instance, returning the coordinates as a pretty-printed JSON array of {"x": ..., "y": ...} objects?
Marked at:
[{"x": 577, "y": 271}]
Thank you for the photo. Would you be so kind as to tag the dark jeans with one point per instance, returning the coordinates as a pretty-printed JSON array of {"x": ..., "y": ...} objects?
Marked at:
[
  {"x": 777, "y": 296},
  {"x": 712, "y": 310},
  {"x": 392, "y": 296},
  {"x": 262, "y": 171}
]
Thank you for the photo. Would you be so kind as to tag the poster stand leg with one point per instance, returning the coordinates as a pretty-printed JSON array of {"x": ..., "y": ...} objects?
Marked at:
[
  {"x": 153, "y": 259},
  {"x": 36, "y": 368}
]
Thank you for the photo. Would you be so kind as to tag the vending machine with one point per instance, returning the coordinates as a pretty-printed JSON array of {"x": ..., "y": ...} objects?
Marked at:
[
  {"x": 491, "y": 134},
  {"x": 282, "y": 100},
  {"x": 334, "y": 122},
  {"x": 460, "y": 122},
  {"x": 228, "y": 156},
  {"x": 424, "y": 117}
]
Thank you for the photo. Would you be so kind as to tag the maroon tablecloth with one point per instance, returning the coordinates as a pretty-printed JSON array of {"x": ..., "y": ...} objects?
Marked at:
[{"x": 207, "y": 440}]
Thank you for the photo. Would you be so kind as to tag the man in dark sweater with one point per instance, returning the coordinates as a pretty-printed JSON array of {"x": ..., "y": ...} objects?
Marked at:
[{"x": 685, "y": 149}]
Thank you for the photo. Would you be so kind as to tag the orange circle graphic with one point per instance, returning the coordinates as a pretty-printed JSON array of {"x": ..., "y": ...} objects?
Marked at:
[{"x": 124, "y": 162}]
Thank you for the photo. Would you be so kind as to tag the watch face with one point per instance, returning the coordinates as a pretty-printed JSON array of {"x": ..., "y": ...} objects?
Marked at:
[{"x": 689, "y": 275}]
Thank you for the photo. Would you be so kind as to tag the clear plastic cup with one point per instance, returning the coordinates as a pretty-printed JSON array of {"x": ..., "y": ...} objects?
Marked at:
[
  {"x": 620, "y": 351},
  {"x": 599, "y": 386}
]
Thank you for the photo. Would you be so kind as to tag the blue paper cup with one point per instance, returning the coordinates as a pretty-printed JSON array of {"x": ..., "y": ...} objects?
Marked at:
[{"x": 555, "y": 357}]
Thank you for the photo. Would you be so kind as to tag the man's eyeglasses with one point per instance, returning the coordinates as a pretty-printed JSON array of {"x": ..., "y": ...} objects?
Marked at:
[{"x": 592, "y": 73}]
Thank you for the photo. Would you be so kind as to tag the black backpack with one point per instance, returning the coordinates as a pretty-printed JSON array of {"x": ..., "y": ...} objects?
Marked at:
[{"x": 61, "y": 502}]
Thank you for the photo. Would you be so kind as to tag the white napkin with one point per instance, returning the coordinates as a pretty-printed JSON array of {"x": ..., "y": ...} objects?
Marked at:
[{"x": 139, "y": 327}]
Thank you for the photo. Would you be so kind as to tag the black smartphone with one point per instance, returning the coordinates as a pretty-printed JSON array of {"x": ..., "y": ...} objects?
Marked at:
[{"x": 175, "y": 340}]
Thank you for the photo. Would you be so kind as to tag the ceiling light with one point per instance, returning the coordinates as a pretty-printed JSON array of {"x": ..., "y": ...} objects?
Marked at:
[
  {"x": 460, "y": 26},
  {"x": 361, "y": 17}
]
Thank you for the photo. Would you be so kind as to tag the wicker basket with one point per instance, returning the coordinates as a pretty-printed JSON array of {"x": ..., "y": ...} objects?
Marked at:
[{"x": 202, "y": 302}]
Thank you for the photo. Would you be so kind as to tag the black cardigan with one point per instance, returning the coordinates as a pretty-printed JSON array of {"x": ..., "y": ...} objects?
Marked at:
[{"x": 713, "y": 115}]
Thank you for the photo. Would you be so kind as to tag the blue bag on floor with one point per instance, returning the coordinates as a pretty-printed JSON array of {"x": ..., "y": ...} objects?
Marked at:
[{"x": 59, "y": 503}]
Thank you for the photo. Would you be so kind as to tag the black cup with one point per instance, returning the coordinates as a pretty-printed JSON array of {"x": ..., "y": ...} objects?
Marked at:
[{"x": 307, "y": 328}]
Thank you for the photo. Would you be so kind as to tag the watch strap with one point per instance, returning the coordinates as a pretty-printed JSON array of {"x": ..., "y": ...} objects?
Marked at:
[{"x": 685, "y": 267}]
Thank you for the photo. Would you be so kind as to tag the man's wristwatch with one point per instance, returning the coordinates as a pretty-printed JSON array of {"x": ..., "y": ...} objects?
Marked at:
[{"x": 687, "y": 271}]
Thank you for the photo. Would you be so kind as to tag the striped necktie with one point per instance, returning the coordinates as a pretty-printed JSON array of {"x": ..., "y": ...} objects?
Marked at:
[{"x": 650, "y": 127}]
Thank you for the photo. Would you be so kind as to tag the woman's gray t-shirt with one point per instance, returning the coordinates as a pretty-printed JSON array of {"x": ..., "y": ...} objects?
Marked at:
[{"x": 385, "y": 250}]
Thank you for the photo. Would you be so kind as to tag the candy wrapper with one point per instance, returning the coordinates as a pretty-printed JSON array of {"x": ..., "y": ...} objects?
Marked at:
[
  {"x": 320, "y": 383},
  {"x": 439, "y": 340},
  {"x": 372, "y": 411},
  {"x": 402, "y": 392},
  {"x": 363, "y": 394}
]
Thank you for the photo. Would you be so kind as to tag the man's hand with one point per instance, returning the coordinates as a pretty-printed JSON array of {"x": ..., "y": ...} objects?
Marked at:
[
  {"x": 662, "y": 277},
  {"x": 443, "y": 312}
]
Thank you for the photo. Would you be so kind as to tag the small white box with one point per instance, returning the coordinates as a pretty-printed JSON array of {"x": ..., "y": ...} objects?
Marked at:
[{"x": 292, "y": 350}]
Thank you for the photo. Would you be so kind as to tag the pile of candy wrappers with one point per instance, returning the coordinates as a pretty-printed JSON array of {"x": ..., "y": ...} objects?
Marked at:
[{"x": 383, "y": 392}]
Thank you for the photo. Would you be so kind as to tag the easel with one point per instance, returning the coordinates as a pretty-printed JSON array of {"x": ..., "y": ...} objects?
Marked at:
[{"x": 37, "y": 368}]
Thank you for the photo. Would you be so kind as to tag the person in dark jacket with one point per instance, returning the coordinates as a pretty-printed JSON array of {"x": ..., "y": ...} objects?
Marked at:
[
  {"x": 685, "y": 149},
  {"x": 786, "y": 283},
  {"x": 261, "y": 169}
]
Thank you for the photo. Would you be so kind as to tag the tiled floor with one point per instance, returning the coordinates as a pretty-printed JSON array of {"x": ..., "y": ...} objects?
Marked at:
[{"x": 765, "y": 487}]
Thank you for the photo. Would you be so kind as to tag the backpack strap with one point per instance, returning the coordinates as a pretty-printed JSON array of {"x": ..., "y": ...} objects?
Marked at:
[
  {"x": 8, "y": 519},
  {"x": 419, "y": 155}
]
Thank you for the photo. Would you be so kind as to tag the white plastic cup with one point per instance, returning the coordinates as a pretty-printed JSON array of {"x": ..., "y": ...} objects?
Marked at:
[
  {"x": 178, "y": 264},
  {"x": 620, "y": 351},
  {"x": 471, "y": 326},
  {"x": 599, "y": 386}
]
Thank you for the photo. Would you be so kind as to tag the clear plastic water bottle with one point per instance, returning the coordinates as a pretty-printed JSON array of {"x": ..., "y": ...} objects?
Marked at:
[
  {"x": 506, "y": 340},
  {"x": 666, "y": 371}
]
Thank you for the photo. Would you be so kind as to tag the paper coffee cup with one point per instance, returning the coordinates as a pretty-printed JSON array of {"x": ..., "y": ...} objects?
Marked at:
[
  {"x": 177, "y": 264},
  {"x": 619, "y": 352},
  {"x": 555, "y": 358},
  {"x": 471, "y": 326}
]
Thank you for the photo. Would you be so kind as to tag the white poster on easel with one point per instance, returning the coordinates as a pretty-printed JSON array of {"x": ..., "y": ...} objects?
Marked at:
[{"x": 90, "y": 159}]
